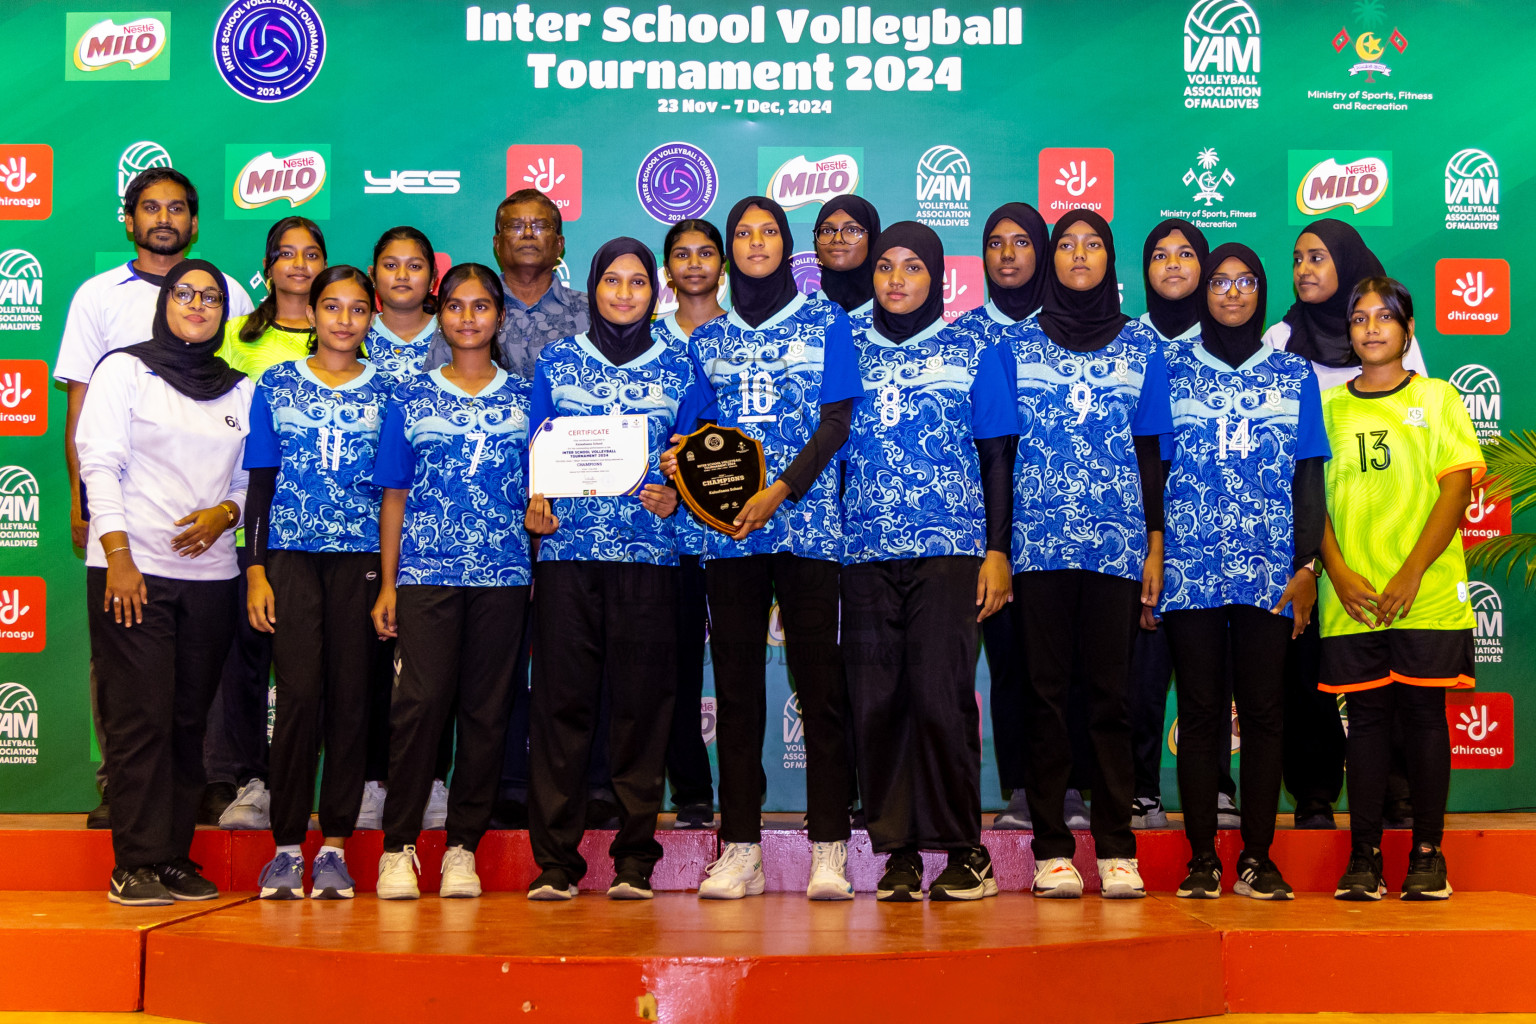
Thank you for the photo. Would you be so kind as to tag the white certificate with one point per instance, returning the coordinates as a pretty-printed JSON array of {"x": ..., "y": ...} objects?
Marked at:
[{"x": 589, "y": 456}]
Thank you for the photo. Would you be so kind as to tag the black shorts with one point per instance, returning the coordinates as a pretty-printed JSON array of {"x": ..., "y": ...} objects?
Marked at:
[{"x": 1419, "y": 657}]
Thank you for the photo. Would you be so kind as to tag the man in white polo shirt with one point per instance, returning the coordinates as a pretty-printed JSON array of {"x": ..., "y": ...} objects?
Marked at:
[{"x": 115, "y": 309}]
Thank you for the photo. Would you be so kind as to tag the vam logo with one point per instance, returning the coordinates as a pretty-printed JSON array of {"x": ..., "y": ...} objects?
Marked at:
[
  {"x": 944, "y": 188},
  {"x": 1221, "y": 55},
  {"x": 1471, "y": 192},
  {"x": 18, "y": 725},
  {"x": 108, "y": 50},
  {"x": 19, "y": 511},
  {"x": 23, "y": 614},
  {"x": 139, "y": 157},
  {"x": 1472, "y": 296},
  {"x": 1479, "y": 389},
  {"x": 794, "y": 727},
  {"x": 263, "y": 178},
  {"x": 21, "y": 294},
  {"x": 1488, "y": 637},
  {"x": 1482, "y": 729},
  {"x": 23, "y": 396}
]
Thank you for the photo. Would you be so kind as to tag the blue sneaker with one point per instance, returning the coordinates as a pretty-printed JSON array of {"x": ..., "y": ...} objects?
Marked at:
[
  {"x": 282, "y": 878},
  {"x": 329, "y": 879}
]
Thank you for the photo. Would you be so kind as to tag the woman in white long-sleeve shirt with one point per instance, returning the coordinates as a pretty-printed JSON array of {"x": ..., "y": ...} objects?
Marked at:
[{"x": 161, "y": 438}]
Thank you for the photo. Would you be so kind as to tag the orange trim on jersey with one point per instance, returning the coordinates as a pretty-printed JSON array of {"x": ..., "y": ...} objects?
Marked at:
[
  {"x": 1374, "y": 684},
  {"x": 1479, "y": 470},
  {"x": 1456, "y": 682}
]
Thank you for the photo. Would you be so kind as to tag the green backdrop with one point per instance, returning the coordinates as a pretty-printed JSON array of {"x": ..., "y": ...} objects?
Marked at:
[{"x": 1240, "y": 116}]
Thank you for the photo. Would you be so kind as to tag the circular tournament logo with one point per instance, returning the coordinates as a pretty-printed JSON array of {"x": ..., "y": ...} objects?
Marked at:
[
  {"x": 805, "y": 268},
  {"x": 269, "y": 50},
  {"x": 676, "y": 181}
]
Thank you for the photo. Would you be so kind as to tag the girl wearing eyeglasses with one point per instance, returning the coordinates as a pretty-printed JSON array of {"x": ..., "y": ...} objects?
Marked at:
[
  {"x": 1244, "y": 514},
  {"x": 161, "y": 438},
  {"x": 845, "y": 228}
]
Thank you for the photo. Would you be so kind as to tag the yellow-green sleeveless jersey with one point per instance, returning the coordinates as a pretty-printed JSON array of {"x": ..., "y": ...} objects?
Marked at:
[
  {"x": 1390, "y": 450},
  {"x": 272, "y": 346}
]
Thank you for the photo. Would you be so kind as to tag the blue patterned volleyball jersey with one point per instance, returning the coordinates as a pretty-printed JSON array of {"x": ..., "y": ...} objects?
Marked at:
[
  {"x": 914, "y": 476},
  {"x": 988, "y": 320},
  {"x": 770, "y": 382},
  {"x": 572, "y": 378},
  {"x": 323, "y": 442},
  {"x": 1076, "y": 489},
  {"x": 685, "y": 525},
  {"x": 394, "y": 355},
  {"x": 1237, "y": 435},
  {"x": 464, "y": 459}
]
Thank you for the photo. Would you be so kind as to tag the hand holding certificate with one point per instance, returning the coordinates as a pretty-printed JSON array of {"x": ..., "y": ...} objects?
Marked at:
[{"x": 589, "y": 456}]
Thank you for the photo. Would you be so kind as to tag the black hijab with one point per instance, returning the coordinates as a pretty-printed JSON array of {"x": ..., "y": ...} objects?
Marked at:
[
  {"x": 1232, "y": 345},
  {"x": 620, "y": 343},
  {"x": 755, "y": 299},
  {"x": 850, "y": 289},
  {"x": 1082, "y": 321},
  {"x": 1172, "y": 317},
  {"x": 194, "y": 369},
  {"x": 1024, "y": 300},
  {"x": 1320, "y": 330},
  {"x": 921, "y": 239}
]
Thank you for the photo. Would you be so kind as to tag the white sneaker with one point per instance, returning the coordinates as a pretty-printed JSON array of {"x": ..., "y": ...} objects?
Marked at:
[
  {"x": 397, "y": 875},
  {"x": 371, "y": 813},
  {"x": 738, "y": 873},
  {"x": 436, "y": 814},
  {"x": 1120, "y": 879},
  {"x": 829, "y": 872},
  {"x": 1057, "y": 879},
  {"x": 459, "y": 878},
  {"x": 251, "y": 808}
]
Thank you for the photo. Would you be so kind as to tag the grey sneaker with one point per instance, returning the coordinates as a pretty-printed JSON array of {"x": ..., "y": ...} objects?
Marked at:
[
  {"x": 1076, "y": 811},
  {"x": 370, "y": 813},
  {"x": 1147, "y": 812},
  {"x": 1015, "y": 815},
  {"x": 251, "y": 808},
  {"x": 1227, "y": 814},
  {"x": 436, "y": 814}
]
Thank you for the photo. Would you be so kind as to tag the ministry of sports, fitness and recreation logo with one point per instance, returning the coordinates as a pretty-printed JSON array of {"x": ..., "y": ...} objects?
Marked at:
[
  {"x": 794, "y": 733},
  {"x": 1472, "y": 192},
  {"x": 1488, "y": 637},
  {"x": 1368, "y": 45},
  {"x": 19, "y": 508},
  {"x": 21, "y": 291},
  {"x": 1211, "y": 182},
  {"x": 269, "y": 50},
  {"x": 117, "y": 47},
  {"x": 805, "y": 268},
  {"x": 944, "y": 188},
  {"x": 18, "y": 725},
  {"x": 676, "y": 181},
  {"x": 1350, "y": 185},
  {"x": 1479, "y": 390},
  {"x": 262, "y": 175},
  {"x": 23, "y": 614},
  {"x": 1221, "y": 56},
  {"x": 1472, "y": 296},
  {"x": 139, "y": 157},
  {"x": 800, "y": 180}
]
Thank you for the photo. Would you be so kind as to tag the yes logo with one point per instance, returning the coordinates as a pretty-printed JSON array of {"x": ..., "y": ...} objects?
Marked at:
[
  {"x": 553, "y": 170},
  {"x": 23, "y": 614},
  {"x": 23, "y": 397},
  {"x": 1472, "y": 296},
  {"x": 1482, "y": 729},
  {"x": 1077, "y": 178},
  {"x": 964, "y": 285}
]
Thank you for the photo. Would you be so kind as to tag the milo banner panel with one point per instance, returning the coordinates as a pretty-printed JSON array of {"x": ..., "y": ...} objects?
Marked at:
[{"x": 1410, "y": 119}]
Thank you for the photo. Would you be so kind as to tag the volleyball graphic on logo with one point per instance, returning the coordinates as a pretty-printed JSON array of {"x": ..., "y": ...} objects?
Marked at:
[
  {"x": 139, "y": 157},
  {"x": 16, "y": 480},
  {"x": 1472, "y": 163},
  {"x": 15, "y": 697},
  {"x": 18, "y": 263},
  {"x": 943, "y": 160},
  {"x": 269, "y": 50},
  {"x": 1221, "y": 17},
  {"x": 1473, "y": 378},
  {"x": 676, "y": 181},
  {"x": 806, "y": 270}
]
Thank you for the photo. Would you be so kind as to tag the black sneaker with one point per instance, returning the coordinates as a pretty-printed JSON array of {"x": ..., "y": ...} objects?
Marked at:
[
  {"x": 217, "y": 796},
  {"x": 1426, "y": 874},
  {"x": 101, "y": 815},
  {"x": 1316, "y": 821},
  {"x": 630, "y": 883},
  {"x": 181, "y": 878},
  {"x": 1258, "y": 878},
  {"x": 968, "y": 876},
  {"x": 695, "y": 816},
  {"x": 903, "y": 878},
  {"x": 1362, "y": 879},
  {"x": 1204, "y": 880},
  {"x": 552, "y": 884},
  {"x": 1397, "y": 814},
  {"x": 140, "y": 887}
]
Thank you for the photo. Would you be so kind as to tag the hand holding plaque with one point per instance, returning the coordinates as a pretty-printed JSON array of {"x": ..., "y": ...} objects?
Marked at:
[{"x": 718, "y": 470}]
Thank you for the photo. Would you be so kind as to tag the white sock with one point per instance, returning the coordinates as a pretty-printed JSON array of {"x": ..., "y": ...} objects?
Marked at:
[
  {"x": 338, "y": 851},
  {"x": 292, "y": 851}
]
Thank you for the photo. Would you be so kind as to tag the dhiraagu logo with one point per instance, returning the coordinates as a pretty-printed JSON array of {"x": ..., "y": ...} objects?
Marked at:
[{"x": 800, "y": 179}]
